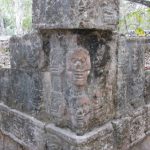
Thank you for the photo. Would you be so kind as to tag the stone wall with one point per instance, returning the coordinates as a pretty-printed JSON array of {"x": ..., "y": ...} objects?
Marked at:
[
  {"x": 4, "y": 42},
  {"x": 75, "y": 84},
  {"x": 27, "y": 90}
]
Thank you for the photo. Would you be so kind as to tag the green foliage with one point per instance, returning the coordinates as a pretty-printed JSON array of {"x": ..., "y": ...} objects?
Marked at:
[
  {"x": 27, "y": 20},
  {"x": 27, "y": 23},
  {"x": 140, "y": 32},
  {"x": 8, "y": 15},
  {"x": 137, "y": 21}
]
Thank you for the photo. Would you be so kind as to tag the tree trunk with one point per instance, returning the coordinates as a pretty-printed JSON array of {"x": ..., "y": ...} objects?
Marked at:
[
  {"x": 2, "y": 28},
  {"x": 142, "y": 2},
  {"x": 19, "y": 15}
]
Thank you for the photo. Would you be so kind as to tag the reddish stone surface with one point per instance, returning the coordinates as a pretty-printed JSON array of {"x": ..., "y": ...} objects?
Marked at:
[{"x": 145, "y": 145}]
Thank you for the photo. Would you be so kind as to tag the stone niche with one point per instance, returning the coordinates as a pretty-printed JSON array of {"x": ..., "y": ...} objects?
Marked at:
[{"x": 82, "y": 65}]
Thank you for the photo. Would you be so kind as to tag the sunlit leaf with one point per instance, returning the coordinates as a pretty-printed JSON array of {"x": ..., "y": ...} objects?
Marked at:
[{"x": 140, "y": 32}]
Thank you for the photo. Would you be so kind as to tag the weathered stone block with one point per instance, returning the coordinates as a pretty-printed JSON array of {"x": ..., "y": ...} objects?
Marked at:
[
  {"x": 23, "y": 129},
  {"x": 9, "y": 144},
  {"x": 1, "y": 141},
  {"x": 27, "y": 52},
  {"x": 136, "y": 80},
  {"x": 4, "y": 83},
  {"x": 137, "y": 126},
  {"x": 147, "y": 87},
  {"x": 98, "y": 139},
  {"x": 27, "y": 91},
  {"x": 83, "y": 77},
  {"x": 144, "y": 145},
  {"x": 70, "y": 14},
  {"x": 122, "y": 76},
  {"x": 121, "y": 133},
  {"x": 4, "y": 40},
  {"x": 4, "y": 59},
  {"x": 130, "y": 78},
  {"x": 147, "y": 109}
]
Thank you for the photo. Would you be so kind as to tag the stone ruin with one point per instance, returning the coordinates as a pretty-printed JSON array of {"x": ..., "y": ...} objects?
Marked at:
[
  {"x": 4, "y": 52},
  {"x": 75, "y": 84}
]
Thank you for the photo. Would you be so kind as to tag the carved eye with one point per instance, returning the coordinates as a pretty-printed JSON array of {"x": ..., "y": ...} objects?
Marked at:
[
  {"x": 78, "y": 62},
  {"x": 80, "y": 111},
  {"x": 83, "y": 59}
]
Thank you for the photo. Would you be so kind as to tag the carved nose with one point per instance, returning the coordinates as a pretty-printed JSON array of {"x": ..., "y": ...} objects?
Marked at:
[
  {"x": 80, "y": 112},
  {"x": 78, "y": 65}
]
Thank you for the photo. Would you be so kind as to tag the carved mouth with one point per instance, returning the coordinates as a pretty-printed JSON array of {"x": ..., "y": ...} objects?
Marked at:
[
  {"x": 81, "y": 117},
  {"x": 80, "y": 120},
  {"x": 79, "y": 75}
]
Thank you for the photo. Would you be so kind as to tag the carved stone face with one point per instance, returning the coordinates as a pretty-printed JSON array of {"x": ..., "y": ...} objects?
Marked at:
[
  {"x": 80, "y": 66},
  {"x": 98, "y": 104},
  {"x": 81, "y": 114}
]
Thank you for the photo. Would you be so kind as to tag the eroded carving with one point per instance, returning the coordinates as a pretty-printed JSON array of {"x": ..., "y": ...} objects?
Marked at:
[
  {"x": 79, "y": 65},
  {"x": 79, "y": 106},
  {"x": 80, "y": 114},
  {"x": 108, "y": 13},
  {"x": 58, "y": 109},
  {"x": 57, "y": 104},
  {"x": 99, "y": 109}
]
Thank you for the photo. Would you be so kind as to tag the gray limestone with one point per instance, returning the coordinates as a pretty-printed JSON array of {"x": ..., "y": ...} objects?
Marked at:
[
  {"x": 147, "y": 108},
  {"x": 121, "y": 133},
  {"x": 130, "y": 78},
  {"x": 144, "y": 145},
  {"x": 73, "y": 85},
  {"x": 98, "y": 139},
  {"x": 22, "y": 128},
  {"x": 27, "y": 52},
  {"x": 75, "y": 14},
  {"x": 137, "y": 126},
  {"x": 147, "y": 87},
  {"x": 26, "y": 91}
]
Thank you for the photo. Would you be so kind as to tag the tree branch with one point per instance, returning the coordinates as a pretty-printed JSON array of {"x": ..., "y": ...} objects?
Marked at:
[{"x": 142, "y": 2}]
